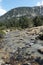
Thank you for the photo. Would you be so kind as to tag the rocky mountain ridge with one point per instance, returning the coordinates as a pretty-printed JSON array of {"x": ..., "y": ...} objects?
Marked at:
[{"x": 23, "y": 11}]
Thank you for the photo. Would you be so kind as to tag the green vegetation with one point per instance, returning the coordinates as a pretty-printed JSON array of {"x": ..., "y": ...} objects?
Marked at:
[
  {"x": 22, "y": 17},
  {"x": 38, "y": 21},
  {"x": 1, "y": 34},
  {"x": 22, "y": 22}
]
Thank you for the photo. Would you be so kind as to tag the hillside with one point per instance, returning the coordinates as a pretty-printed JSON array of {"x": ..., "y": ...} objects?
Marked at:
[
  {"x": 23, "y": 11},
  {"x": 24, "y": 14}
]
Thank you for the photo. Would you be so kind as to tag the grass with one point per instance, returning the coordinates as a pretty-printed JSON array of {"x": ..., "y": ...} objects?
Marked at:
[{"x": 2, "y": 33}]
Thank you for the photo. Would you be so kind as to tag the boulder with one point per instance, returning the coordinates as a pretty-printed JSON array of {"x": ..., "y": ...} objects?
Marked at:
[{"x": 40, "y": 50}]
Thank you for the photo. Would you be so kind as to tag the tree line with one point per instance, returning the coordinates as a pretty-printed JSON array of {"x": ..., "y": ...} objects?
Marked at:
[{"x": 22, "y": 22}]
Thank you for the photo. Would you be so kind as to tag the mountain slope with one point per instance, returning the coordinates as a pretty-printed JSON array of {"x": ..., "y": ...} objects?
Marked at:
[{"x": 23, "y": 11}]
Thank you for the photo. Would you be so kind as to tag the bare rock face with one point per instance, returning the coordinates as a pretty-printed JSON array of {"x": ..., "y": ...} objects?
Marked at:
[{"x": 35, "y": 30}]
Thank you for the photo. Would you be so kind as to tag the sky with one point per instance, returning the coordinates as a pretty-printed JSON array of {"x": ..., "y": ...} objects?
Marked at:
[{"x": 6, "y": 5}]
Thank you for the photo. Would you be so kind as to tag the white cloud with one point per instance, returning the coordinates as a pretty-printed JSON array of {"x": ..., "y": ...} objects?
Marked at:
[
  {"x": 40, "y": 3},
  {"x": 2, "y": 11}
]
